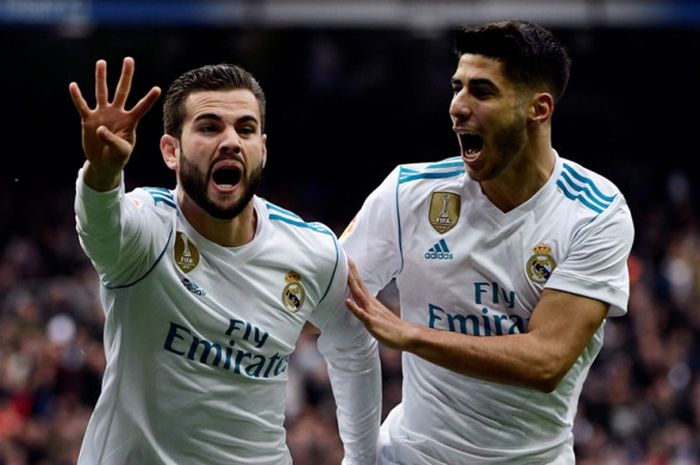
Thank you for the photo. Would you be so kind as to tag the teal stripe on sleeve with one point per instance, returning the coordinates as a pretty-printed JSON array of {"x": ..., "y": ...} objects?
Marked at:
[
  {"x": 313, "y": 226},
  {"x": 584, "y": 190},
  {"x": 580, "y": 198},
  {"x": 587, "y": 181}
]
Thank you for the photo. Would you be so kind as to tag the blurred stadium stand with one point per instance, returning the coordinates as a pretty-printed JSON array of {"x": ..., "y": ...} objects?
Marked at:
[
  {"x": 363, "y": 13},
  {"x": 353, "y": 88}
]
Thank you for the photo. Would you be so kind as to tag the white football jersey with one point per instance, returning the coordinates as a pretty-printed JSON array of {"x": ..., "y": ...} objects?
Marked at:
[
  {"x": 463, "y": 265},
  {"x": 198, "y": 336}
]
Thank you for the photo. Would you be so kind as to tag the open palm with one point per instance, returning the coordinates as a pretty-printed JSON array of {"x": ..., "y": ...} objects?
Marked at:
[{"x": 109, "y": 130}]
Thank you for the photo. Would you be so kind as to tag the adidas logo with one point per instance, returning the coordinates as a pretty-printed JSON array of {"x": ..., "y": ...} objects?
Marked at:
[
  {"x": 439, "y": 251},
  {"x": 193, "y": 288}
]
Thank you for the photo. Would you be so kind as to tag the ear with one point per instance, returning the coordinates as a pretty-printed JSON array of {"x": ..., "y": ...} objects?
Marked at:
[
  {"x": 264, "y": 150},
  {"x": 170, "y": 149},
  {"x": 541, "y": 108}
]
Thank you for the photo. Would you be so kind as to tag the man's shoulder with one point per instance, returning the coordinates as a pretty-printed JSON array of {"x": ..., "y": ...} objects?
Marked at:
[
  {"x": 588, "y": 188},
  {"x": 447, "y": 168},
  {"x": 582, "y": 174},
  {"x": 291, "y": 223},
  {"x": 154, "y": 196},
  {"x": 293, "y": 236}
]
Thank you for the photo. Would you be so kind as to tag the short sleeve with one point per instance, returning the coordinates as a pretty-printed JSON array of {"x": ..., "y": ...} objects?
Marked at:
[
  {"x": 596, "y": 266},
  {"x": 372, "y": 239}
]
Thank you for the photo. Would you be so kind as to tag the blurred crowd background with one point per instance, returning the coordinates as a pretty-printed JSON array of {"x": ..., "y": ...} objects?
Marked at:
[{"x": 350, "y": 95}]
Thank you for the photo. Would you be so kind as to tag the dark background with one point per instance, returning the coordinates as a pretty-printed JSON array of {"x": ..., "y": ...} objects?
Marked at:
[
  {"x": 346, "y": 104},
  {"x": 353, "y": 88}
]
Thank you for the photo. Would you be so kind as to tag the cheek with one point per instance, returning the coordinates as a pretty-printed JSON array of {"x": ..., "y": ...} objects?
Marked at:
[
  {"x": 255, "y": 150},
  {"x": 199, "y": 151}
]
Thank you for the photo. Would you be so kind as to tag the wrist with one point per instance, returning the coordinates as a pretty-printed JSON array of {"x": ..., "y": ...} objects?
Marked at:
[
  {"x": 412, "y": 337},
  {"x": 99, "y": 178}
]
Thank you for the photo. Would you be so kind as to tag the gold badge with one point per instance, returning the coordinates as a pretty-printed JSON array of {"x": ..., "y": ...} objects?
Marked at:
[
  {"x": 443, "y": 213},
  {"x": 186, "y": 254},
  {"x": 541, "y": 264},
  {"x": 294, "y": 294}
]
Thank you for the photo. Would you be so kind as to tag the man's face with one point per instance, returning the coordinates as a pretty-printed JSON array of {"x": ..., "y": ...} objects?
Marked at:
[
  {"x": 488, "y": 116},
  {"x": 222, "y": 151}
]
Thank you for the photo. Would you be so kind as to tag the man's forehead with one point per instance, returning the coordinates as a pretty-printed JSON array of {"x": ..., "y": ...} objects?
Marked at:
[{"x": 478, "y": 66}]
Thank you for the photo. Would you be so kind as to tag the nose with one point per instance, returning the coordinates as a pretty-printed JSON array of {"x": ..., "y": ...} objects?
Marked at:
[
  {"x": 230, "y": 141},
  {"x": 459, "y": 106}
]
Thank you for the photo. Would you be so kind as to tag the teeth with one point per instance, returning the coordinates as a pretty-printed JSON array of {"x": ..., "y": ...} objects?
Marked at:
[{"x": 472, "y": 143}]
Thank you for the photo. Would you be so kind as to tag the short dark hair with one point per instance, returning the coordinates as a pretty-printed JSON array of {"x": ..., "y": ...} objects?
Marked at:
[
  {"x": 530, "y": 54},
  {"x": 210, "y": 77}
]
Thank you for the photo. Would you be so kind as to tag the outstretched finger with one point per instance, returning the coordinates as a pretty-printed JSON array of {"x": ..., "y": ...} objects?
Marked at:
[
  {"x": 101, "y": 92},
  {"x": 353, "y": 283},
  {"x": 356, "y": 310},
  {"x": 355, "y": 280},
  {"x": 124, "y": 85},
  {"x": 78, "y": 100},
  {"x": 146, "y": 103}
]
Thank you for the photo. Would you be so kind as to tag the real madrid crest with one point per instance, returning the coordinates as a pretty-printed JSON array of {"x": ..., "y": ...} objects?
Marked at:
[
  {"x": 293, "y": 294},
  {"x": 541, "y": 264},
  {"x": 443, "y": 213},
  {"x": 186, "y": 254}
]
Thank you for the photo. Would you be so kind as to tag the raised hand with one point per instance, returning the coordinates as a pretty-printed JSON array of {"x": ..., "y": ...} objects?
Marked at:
[
  {"x": 381, "y": 322},
  {"x": 109, "y": 130}
]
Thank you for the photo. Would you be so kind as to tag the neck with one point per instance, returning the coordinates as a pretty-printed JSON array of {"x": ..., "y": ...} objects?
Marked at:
[
  {"x": 521, "y": 179},
  {"x": 228, "y": 233}
]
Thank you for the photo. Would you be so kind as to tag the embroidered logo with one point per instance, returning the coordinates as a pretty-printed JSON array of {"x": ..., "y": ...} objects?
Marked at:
[
  {"x": 293, "y": 294},
  {"x": 541, "y": 264},
  {"x": 439, "y": 251},
  {"x": 443, "y": 213},
  {"x": 186, "y": 254},
  {"x": 192, "y": 287}
]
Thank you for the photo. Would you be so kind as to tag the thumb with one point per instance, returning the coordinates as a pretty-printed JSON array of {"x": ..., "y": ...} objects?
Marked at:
[{"x": 113, "y": 141}]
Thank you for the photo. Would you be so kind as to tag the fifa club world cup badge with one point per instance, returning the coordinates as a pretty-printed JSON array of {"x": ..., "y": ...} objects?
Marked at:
[
  {"x": 541, "y": 264},
  {"x": 443, "y": 213},
  {"x": 186, "y": 254},
  {"x": 294, "y": 294}
]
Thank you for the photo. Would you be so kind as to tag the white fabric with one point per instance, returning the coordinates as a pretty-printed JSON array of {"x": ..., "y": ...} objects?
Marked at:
[
  {"x": 481, "y": 277},
  {"x": 197, "y": 358}
]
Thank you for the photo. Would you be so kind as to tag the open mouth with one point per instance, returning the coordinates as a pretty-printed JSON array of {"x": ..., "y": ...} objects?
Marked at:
[
  {"x": 226, "y": 177},
  {"x": 472, "y": 144}
]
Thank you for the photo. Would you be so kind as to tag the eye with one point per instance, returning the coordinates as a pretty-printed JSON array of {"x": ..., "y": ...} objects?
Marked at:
[
  {"x": 481, "y": 93},
  {"x": 247, "y": 130},
  {"x": 207, "y": 128}
]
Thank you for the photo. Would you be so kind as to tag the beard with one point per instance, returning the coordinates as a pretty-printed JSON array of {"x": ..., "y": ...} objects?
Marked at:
[
  {"x": 195, "y": 183},
  {"x": 508, "y": 143}
]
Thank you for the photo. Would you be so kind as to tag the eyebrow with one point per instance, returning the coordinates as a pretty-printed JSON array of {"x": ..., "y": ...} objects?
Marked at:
[
  {"x": 207, "y": 116},
  {"x": 482, "y": 82},
  {"x": 214, "y": 116},
  {"x": 474, "y": 82},
  {"x": 247, "y": 119}
]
